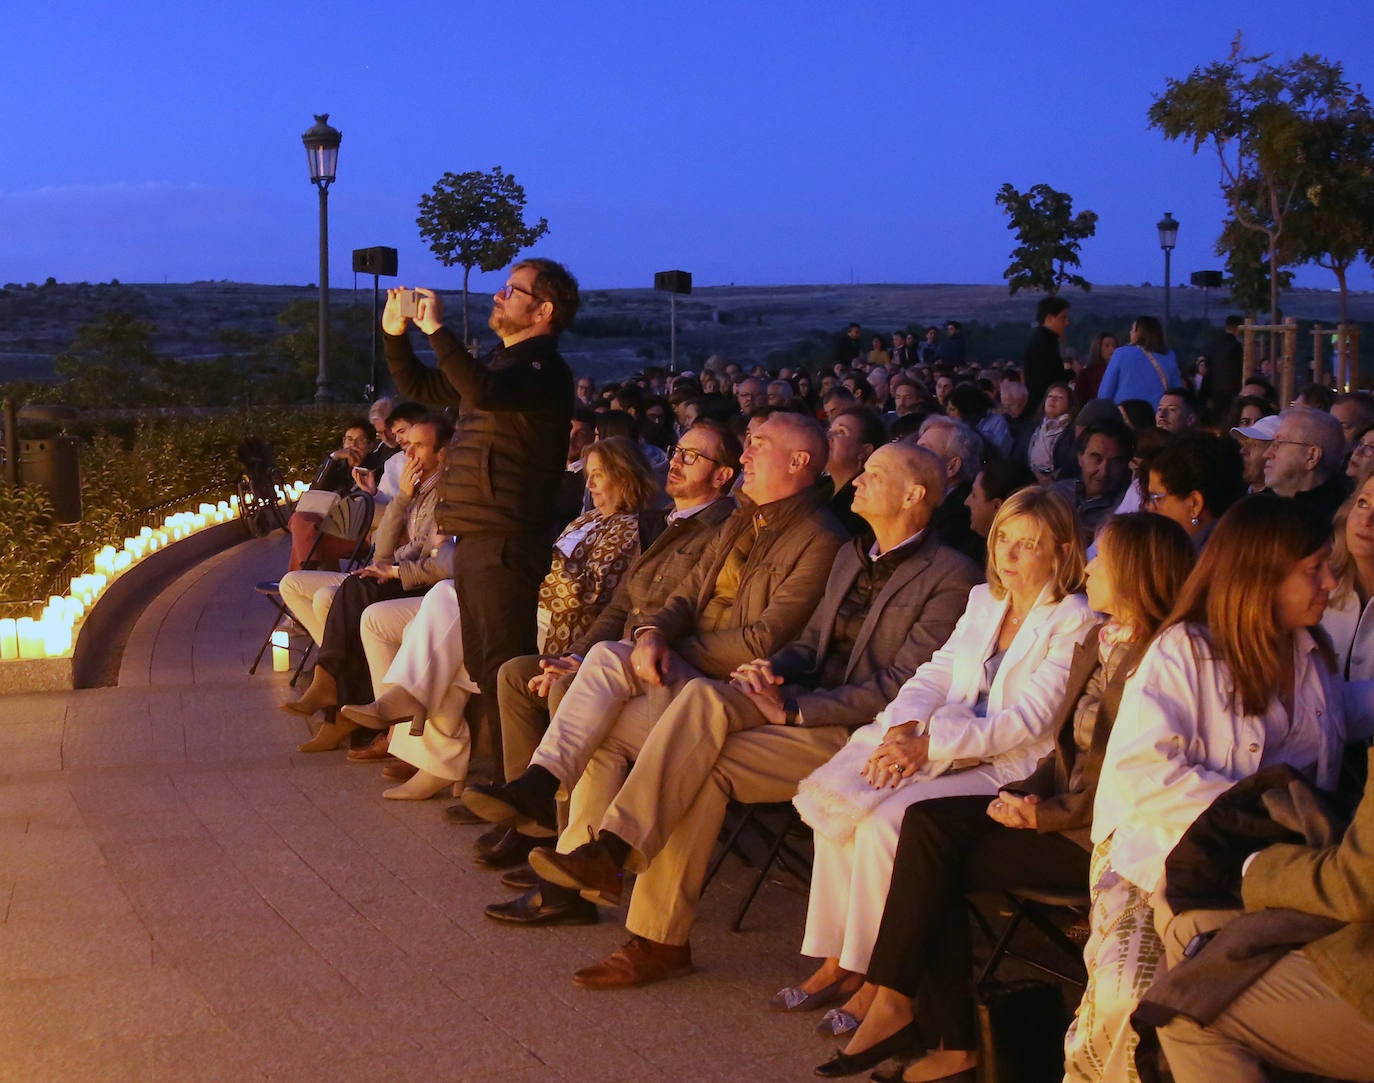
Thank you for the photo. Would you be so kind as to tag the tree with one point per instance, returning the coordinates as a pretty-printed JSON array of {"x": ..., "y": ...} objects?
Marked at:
[
  {"x": 1258, "y": 117},
  {"x": 1050, "y": 237},
  {"x": 476, "y": 220},
  {"x": 1334, "y": 222}
]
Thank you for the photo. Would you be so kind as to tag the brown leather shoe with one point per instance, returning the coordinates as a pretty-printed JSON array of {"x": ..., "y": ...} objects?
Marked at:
[
  {"x": 588, "y": 869},
  {"x": 375, "y": 751},
  {"x": 639, "y": 962}
]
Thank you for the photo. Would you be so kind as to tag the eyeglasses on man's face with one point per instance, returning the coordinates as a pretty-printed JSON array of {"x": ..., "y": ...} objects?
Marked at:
[
  {"x": 689, "y": 455},
  {"x": 510, "y": 287}
]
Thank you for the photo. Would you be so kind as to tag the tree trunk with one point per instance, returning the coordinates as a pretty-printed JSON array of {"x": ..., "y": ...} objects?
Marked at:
[{"x": 467, "y": 270}]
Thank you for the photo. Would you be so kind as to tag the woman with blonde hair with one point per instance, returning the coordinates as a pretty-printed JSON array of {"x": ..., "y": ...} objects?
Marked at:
[
  {"x": 976, "y": 716},
  {"x": 1233, "y": 681},
  {"x": 428, "y": 677},
  {"x": 1349, "y": 617},
  {"x": 1033, "y": 834}
]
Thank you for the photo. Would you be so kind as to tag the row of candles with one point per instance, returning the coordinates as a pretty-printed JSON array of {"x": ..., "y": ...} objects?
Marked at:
[{"x": 52, "y": 634}]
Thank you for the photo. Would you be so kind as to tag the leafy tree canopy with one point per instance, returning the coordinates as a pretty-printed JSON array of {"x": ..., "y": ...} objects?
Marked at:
[
  {"x": 477, "y": 219},
  {"x": 1050, "y": 237}
]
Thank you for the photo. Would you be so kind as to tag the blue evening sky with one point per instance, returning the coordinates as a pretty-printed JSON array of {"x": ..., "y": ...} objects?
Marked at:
[{"x": 748, "y": 142}]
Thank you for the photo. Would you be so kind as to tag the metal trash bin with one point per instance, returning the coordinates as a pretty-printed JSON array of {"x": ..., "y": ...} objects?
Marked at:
[{"x": 53, "y": 464}]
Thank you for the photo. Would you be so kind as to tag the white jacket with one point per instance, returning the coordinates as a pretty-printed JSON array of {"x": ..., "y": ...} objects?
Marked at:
[
  {"x": 1024, "y": 696},
  {"x": 1352, "y": 635},
  {"x": 1178, "y": 744}
]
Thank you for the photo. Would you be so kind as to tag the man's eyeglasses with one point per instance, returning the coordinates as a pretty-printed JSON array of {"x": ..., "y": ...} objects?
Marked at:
[
  {"x": 1295, "y": 443},
  {"x": 510, "y": 287},
  {"x": 689, "y": 455}
]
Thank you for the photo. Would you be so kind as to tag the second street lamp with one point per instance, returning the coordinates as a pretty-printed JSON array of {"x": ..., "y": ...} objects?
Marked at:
[
  {"x": 1168, "y": 238},
  {"x": 322, "y": 149}
]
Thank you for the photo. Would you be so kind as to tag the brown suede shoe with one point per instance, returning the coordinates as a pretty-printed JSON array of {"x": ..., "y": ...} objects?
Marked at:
[
  {"x": 639, "y": 962},
  {"x": 588, "y": 869},
  {"x": 375, "y": 751}
]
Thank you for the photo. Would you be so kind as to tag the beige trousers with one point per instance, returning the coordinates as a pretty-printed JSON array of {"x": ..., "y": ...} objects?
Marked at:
[{"x": 308, "y": 595}]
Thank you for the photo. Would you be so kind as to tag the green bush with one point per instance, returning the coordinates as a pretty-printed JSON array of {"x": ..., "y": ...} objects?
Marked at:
[{"x": 130, "y": 469}]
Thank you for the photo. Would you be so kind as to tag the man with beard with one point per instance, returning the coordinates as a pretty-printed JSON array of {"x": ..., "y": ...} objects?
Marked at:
[{"x": 504, "y": 465}]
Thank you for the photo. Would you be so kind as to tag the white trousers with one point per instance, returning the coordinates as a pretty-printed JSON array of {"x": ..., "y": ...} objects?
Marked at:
[
  {"x": 429, "y": 666},
  {"x": 308, "y": 596},
  {"x": 383, "y": 627},
  {"x": 850, "y": 879}
]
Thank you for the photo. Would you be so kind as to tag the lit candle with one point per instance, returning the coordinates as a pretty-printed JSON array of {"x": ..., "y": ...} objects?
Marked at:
[
  {"x": 57, "y": 637},
  {"x": 9, "y": 639},
  {"x": 30, "y": 638},
  {"x": 98, "y": 584},
  {"x": 122, "y": 562},
  {"x": 146, "y": 532},
  {"x": 281, "y": 651}
]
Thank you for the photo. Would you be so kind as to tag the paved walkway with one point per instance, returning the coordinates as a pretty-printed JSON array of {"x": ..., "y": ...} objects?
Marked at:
[{"x": 185, "y": 897}]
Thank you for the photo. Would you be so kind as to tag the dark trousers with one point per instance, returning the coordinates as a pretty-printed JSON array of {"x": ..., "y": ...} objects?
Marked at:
[
  {"x": 948, "y": 848},
  {"x": 498, "y": 577},
  {"x": 341, "y": 652}
]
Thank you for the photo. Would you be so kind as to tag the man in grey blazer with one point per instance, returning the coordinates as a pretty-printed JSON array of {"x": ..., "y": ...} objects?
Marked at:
[{"x": 888, "y": 605}]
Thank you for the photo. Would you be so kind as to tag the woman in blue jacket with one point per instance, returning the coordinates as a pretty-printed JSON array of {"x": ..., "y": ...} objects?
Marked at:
[{"x": 1142, "y": 370}]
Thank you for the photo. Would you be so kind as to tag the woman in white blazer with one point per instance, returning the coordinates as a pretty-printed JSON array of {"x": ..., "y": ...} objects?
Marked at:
[
  {"x": 1349, "y": 617},
  {"x": 1232, "y": 682},
  {"x": 976, "y": 716}
]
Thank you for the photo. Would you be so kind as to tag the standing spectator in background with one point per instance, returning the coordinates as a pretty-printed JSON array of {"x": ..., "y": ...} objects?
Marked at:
[
  {"x": 1100, "y": 352},
  {"x": 900, "y": 355},
  {"x": 1145, "y": 369},
  {"x": 951, "y": 350},
  {"x": 848, "y": 347},
  {"x": 926, "y": 352},
  {"x": 1225, "y": 360},
  {"x": 878, "y": 355},
  {"x": 1043, "y": 363}
]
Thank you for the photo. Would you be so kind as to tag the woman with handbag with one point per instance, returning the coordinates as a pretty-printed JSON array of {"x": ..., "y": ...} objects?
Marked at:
[
  {"x": 1033, "y": 834},
  {"x": 975, "y": 717},
  {"x": 1145, "y": 369}
]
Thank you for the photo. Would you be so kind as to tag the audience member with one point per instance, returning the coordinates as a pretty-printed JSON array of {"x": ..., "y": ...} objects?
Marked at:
[
  {"x": 886, "y": 607},
  {"x": 1044, "y": 454},
  {"x": 1177, "y": 410},
  {"x": 967, "y": 403},
  {"x": 1193, "y": 479},
  {"x": 960, "y": 449},
  {"x": 1035, "y": 833},
  {"x": 1104, "y": 456},
  {"x": 995, "y": 482},
  {"x": 1355, "y": 412},
  {"x": 1306, "y": 460},
  {"x": 993, "y": 719},
  {"x": 335, "y": 475},
  {"x": 1043, "y": 364},
  {"x": 1089, "y": 379},
  {"x": 852, "y": 437},
  {"x": 1145, "y": 369}
]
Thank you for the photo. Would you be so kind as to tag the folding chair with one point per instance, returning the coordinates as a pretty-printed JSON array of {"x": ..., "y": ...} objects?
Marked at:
[
  {"x": 260, "y": 488},
  {"x": 781, "y": 850},
  {"x": 1038, "y": 906},
  {"x": 351, "y": 519}
]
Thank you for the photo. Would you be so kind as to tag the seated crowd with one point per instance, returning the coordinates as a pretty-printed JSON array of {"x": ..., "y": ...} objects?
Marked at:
[{"x": 987, "y": 627}]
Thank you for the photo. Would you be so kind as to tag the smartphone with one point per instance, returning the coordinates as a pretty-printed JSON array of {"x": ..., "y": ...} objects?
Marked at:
[{"x": 408, "y": 300}]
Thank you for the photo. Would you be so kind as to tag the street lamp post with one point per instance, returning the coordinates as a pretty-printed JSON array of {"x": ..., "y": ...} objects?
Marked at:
[
  {"x": 322, "y": 149},
  {"x": 1168, "y": 237}
]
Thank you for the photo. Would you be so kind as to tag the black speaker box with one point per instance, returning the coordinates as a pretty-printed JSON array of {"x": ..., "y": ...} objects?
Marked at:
[
  {"x": 374, "y": 261},
  {"x": 673, "y": 281}
]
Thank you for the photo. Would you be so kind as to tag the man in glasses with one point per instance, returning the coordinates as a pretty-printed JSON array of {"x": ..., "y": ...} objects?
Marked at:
[
  {"x": 751, "y": 591},
  {"x": 1305, "y": 459},
  {"x": 499, "y": 488},
  {"x": 704, "y": 464}
]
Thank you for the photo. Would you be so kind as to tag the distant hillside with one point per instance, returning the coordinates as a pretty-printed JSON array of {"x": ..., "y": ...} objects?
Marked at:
[{"x": 621, "y": 330}]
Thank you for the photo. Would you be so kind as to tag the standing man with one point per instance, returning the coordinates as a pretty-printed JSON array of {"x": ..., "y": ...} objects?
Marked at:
[
  {"x": 1043, "y": 364},
  {"x": 506, "y": 460}
]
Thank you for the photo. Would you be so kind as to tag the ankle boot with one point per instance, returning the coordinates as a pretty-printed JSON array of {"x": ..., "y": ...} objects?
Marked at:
[
  {"x": 329, "y": 736},
  {"x": 323, "y": 692}
]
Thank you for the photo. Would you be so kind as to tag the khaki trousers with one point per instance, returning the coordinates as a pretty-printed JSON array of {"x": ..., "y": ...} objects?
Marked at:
[
  {"x": 1290, "y": 1018},
  {"x": 307, "y": 595},
  {"x": 524, "y": 716}
]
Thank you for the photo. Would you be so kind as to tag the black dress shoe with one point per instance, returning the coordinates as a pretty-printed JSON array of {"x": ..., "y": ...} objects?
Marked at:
[
  {"x": 461, "y": 814},
  {"x": 528, "y": 805},
  {"x": 512, "y": 849},
  {"x": 531, "y": 909},
  {"x": 520, "y": 878},
  {"x": 488, "y": 840},
  {"x": 903, "y": 1043}
]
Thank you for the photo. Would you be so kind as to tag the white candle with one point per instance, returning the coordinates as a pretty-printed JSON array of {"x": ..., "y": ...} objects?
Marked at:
[
  {"x": 281, "y": 651},
  {"x": 30, "y": 638},
  {"x": 9, "y": 639},
  {"x": 57, "y": 637}
]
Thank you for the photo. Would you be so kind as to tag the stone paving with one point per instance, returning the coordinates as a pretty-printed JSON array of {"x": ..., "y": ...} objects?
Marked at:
[{"x": 185, "y": 897}]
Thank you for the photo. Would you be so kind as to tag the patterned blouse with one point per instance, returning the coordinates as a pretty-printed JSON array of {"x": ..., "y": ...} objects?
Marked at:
[{"x": 589, "y": 559}]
